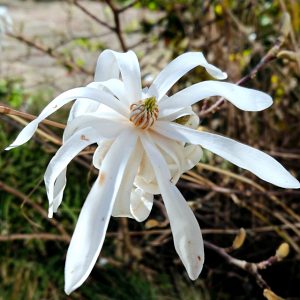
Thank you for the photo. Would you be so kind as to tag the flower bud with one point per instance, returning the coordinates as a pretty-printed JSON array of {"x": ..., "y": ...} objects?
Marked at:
[
  {"x": 282, "y": 251},
  {"x": 239, "y": 239},
  {"x": 151, "y": 224},
  {"x": 268, "y": 294}
]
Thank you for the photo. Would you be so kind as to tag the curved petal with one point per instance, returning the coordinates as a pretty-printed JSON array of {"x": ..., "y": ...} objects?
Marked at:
[
  {"x": 171, "y": 148},
  {"x": 62, "y": 99},
  {"x": 107, "y": 128},
  {"x": 246, "y": 157},
  {"x": 82, "y": 106},
  {"x": 93, "y": 220},
  {"x": 140, "y": 204},
  {"x": 122, "y": 203},
  {"x": 114, "y": 86},
  {"x": 241, "y": 97},
  {"x": 58, "y": 191},
  {"x": 185, "y": 228},
  {"x": 100, "y": 152},
  {"x": 186, "y": 111},
  {"x": 110, "y": 63},
  {"x": 62, "y": 158},
  {"x": 179, "y": 67},
  {"x": 193, "y": 154}
]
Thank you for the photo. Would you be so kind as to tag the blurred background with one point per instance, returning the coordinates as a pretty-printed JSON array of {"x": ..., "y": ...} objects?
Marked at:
[{"x": 52, "y": 47}]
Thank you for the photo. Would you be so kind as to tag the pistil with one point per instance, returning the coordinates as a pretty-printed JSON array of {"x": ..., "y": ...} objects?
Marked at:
[{"x": 144, "y": 113}]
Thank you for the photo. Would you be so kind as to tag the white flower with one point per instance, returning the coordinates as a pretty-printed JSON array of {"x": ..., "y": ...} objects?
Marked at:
[
  {"x": 5, "y": 21},
  {"x": 142, "y": 151}
]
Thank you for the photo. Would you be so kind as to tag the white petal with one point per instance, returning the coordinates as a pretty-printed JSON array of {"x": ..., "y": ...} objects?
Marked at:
[
  {"x": 58, "y": 192},
  {"x": 179, "y": 67},
  {"x": 62, "y": 158},
  {"x": 93, "y": 220},
  {"x": 246, "y": 157},
  {"x": 114, "y": 86},
  {"x": 107, "y": 128},
  {"x": 82, "y": 106},
  {"x": 110, "y": 63},
  {"x": 176, "y": 114},
  {"x": 122, "y": 204},
  {"x": 100, "y": 152},
  {"x": 171, "y": 148},
  {"x": 140, "y": 204},
  {"x": 185, "y": 228},
  {"x": 241, "y": 97},
  {"x": 193, "y": 154},
  {"x": 62, "y": 99}
]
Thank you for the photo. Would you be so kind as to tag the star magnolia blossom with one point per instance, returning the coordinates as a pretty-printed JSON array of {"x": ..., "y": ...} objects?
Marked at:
[{"x": 142, "y": 151}]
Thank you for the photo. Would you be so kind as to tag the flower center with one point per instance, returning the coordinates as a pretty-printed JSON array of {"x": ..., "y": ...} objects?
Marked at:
[{"x": 144, "y": 113}]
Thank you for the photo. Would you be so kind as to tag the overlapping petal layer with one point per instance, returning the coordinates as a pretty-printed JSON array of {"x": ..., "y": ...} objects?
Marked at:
[
  {"x": 185, "y": 228},
  {"x": 93, "y": 220}
]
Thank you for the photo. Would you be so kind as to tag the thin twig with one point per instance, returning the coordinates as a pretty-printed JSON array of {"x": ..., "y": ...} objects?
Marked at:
[
  {"x": 117, "y": 28},
  {"x": 34, "y": 205},
  {"x": 91, "y": 15},
  {"x": 34, "y": 236},
  {"x": 50, "y": 52},
  {"x": 251, "y": 268},
  {"x": 9, "y": 111}
]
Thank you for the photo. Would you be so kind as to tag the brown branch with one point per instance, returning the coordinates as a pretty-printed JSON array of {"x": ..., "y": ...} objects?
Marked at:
[
  {"x": 50, "y": 52},
  {"x": 34, "y": 236},
  {"x": 133, "y": 3},
  {"x": 251, "y": 268},
  {"x": 9, "y": 111},
  {"x": 91, "y": 15},
  {"x": 117, "y": 28},
  {"x": 34, "y": 205}
]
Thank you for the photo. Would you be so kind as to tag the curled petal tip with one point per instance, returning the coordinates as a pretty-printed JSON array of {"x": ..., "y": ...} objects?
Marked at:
[
  {"x": 194, "y": 275},
  {"x": 71, "y": 283},
  {"x": 68, "y": 289},
  {"x": 50, "y": 212},
  {"x": 223, "y": 76},
  {"x": 294, "y": 185},
  {"x": 10, "y": 147}
]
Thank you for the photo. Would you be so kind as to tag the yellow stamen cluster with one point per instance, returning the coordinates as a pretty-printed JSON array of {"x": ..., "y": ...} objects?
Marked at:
[{"x": 144, "y": 113}]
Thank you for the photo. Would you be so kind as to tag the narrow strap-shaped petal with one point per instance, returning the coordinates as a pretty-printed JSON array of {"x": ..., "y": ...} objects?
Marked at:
[
  {"x": 140, "y": 204},
  {"x": 122, "y": 204},
  {"x": 179, "y": 67},
  {"x": 131, "y": 202},
  {"x": 241, "y": 97},
  {"x": 259, "y": 163},
  {"x": 62, "y": 158},
  {"x": 93, "y": 220},
  {"x": 171, "y": 148},
  {"x": 185, "y": 228},
  {"x": 106, "y": 127},
  {"x": 175, "y": 114},
  {"x": 100, "y": 152},
  {"x": 58, "y": 191},
  {"x": 82, "y": 106},
  {"x": 62, "y": 99},
  {"x": 110, "y": 63},
  {"x": 114, "y": 86}
]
